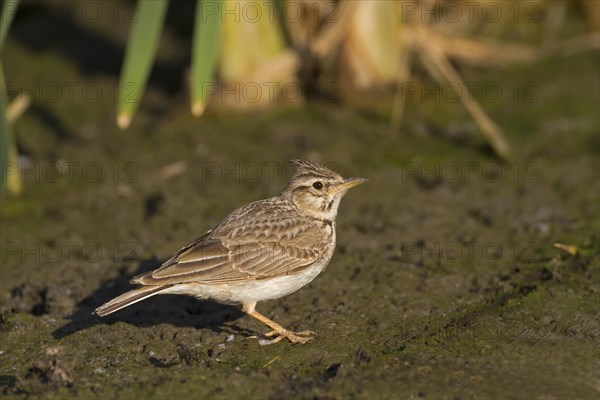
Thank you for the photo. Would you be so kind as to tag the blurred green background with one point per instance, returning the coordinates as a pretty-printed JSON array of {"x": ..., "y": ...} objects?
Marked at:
[{"x": 467, "y": 268}]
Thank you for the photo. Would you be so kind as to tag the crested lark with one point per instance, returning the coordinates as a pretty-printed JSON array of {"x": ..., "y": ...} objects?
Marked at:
[{"x": 262, "y": 251}]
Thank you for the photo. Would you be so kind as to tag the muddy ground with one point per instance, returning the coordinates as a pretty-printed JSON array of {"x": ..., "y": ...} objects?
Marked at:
[{"x": 445, "y": 282}]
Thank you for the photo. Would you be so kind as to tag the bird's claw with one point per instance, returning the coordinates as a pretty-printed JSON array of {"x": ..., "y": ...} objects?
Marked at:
[{"x": 294, "y": 337}]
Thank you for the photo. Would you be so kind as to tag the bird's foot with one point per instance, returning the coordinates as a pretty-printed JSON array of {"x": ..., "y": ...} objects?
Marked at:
[{"x": 280, "y": 334}]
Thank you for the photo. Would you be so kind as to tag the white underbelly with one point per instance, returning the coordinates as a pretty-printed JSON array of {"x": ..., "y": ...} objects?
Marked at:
[{"x": 252, "y": 290}]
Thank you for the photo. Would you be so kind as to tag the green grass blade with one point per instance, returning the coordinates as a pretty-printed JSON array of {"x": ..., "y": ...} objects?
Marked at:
[
  {"x": 5, "y": 138},
  {"x": 9, "y": 8},
  {"x": 205, "y": 48},
  {"x": 140, "y": 52}
]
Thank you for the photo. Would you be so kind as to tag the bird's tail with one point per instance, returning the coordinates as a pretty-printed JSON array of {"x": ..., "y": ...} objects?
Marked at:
[{"x": 129, "y": 298}]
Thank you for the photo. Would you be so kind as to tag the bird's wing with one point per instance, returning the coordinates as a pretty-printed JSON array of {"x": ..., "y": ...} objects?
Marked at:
[{"x": 239, "y": 256}]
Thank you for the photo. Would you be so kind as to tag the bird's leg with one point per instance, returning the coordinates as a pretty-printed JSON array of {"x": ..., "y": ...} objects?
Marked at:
[{"x": 278, "y": 331}]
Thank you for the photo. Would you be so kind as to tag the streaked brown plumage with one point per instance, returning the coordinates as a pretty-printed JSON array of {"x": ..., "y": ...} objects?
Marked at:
[{"x": 261, "y": 251}]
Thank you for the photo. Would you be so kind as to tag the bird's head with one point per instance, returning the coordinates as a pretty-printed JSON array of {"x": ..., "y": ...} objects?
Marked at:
[{"x": 317, "y": 190}]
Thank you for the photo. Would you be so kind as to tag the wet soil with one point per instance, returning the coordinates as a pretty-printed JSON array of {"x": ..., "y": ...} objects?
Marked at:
[{"x": 445, "y": 282}]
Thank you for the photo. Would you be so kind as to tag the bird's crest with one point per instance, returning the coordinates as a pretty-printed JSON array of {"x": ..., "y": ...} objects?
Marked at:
[{"x": 308, "y": 168}]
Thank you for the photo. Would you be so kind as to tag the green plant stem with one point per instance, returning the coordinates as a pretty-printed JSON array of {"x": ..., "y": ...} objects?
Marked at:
[{"x": 141, "y": 49}]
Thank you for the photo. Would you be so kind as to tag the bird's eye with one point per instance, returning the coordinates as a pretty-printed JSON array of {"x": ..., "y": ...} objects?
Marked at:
[{"x": 318, "y": 185}]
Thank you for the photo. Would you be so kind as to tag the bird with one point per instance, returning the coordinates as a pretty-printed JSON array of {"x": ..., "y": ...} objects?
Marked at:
[{"x": 262, "y": 251}]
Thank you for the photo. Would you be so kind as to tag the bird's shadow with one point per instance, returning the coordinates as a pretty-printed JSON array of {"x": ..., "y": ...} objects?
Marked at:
[{"x": 176, "y": 310}]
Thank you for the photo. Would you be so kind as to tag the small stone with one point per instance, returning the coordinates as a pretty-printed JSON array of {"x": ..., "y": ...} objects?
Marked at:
[{"x": 53, "y": 351}]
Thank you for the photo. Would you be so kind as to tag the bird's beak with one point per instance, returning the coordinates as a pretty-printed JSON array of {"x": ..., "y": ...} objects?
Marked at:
[{"x": 347, "y": 184}]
